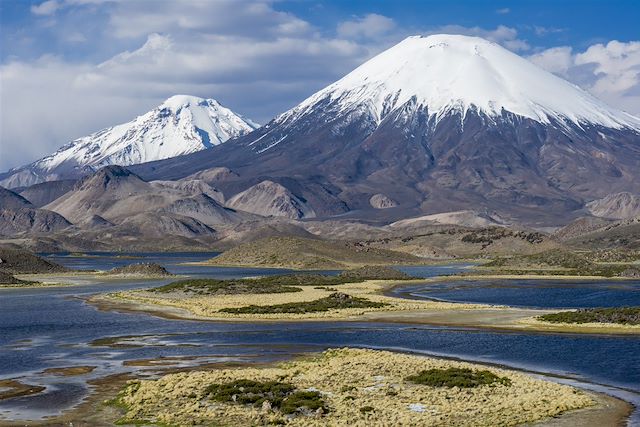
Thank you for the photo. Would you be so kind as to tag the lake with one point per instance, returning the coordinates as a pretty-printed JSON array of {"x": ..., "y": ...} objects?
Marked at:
[
  {"x": 53, "y": 327},
  {"x": 531, "y": 293}
]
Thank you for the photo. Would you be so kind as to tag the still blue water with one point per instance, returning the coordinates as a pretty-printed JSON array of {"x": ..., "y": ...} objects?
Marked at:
[
  {"x": 532, "y": 293},
  {"x": 53, "y": 327}
]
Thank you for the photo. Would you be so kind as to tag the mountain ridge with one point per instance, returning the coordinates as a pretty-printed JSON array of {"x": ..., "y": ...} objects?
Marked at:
[{"x": 182, "y": 124}]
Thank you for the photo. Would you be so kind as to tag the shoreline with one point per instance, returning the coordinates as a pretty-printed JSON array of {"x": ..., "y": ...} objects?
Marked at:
[{"x": 54, "y": 280}]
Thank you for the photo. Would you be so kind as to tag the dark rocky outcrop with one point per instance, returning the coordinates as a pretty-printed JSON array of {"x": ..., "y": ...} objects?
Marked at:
[
  {"x": 17, "y": 261},
  {"x": 140, "y": 269},
  {"x": 8, "y": 279}
]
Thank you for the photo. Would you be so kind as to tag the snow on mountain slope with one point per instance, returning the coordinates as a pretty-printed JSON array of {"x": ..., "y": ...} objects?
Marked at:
[
  {"x": 181, "y": 125},
  {"x": 456, "y": 73}
]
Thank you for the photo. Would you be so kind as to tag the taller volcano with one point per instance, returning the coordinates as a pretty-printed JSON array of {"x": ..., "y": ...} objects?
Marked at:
[
  {"x": 442, "y": 123},
  {"x": 449, "y": 74}
]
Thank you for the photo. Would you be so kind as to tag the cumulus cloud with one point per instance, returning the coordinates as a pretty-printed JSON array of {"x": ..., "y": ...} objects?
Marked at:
[
  {"x": 558, "y": 60},
  {"x": 370, "y": 25},
  {"x": 610, "y": 71},
  {"x": 506, "y": 36},
  {"x": 46, "y": 8}
]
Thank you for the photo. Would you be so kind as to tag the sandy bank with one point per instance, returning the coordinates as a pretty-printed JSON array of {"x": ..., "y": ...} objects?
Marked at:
[
  {"x": 12, "y": 388},
  {"x": 353, "y": 379},
  {"x": 44, "y": 280},
  {"x": 186, "y": 306}
]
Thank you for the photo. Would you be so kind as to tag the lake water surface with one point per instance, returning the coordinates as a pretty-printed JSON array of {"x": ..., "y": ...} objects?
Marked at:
[
  {"x": 53, "y": 327},
  {"x": 531, "y": 293}
]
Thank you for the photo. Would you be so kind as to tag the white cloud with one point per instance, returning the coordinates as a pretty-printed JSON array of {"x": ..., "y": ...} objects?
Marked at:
[
  {"x": 503, "y": 11},
  {"x": 609, "y": 71},
  {"x": 558, "y": 60},
  {"x": 371, "y": 25},
  {"x": 506, "y": 36},
  {"x": 617, "y": 65},
  {"x": 260, "y": 68},
  {"x": 543, "y": 31},
  {"x": 230, "y": 17},
  {"x": 46, "y": 8}
]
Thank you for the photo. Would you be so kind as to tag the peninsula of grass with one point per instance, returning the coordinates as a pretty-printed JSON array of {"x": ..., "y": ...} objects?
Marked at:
[
  {"x": 617, "y": 315},
  {"x": 335, "y": 301},
  {"x": 457, "y": 377},
  {"x": 558, "y": 262},
  {"x": 279, "y": 283},
  {"x": 227, "y": 287}
]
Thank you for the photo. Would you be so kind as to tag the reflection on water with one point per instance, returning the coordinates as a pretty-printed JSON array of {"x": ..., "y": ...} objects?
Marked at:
[{"x": 53, "y": 327}]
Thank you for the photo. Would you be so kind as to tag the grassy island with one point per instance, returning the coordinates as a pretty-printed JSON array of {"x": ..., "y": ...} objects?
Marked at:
[
  {"x": 302, "y": 296},
  {"x": 344, "y": 387}
]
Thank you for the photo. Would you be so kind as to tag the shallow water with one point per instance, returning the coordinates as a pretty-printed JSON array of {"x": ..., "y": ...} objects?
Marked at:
[
  {"x": 531, "y": 293},
  {"x": 53, "y": 327}
]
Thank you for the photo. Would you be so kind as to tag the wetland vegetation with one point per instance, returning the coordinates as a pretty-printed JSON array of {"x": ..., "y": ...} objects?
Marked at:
[
  {"x": 335, "y": 301},
  {"x": 619, "y": 315}
]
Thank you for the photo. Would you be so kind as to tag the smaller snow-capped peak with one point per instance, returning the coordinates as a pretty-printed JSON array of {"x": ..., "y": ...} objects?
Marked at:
[
  {"x": 447, "y": 73},
  {"x": 177, "y": 102},
  {"x": 182, "y": 124}
]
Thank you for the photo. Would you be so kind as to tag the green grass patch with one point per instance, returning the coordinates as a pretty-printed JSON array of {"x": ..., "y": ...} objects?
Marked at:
[
  {"x": 303, "y": 401},
  {"x": 279, "y": 283},
  {"x": 226, "y": 287},
  {"x": 337, "y": 300},
  {"x": 558, "y": 262},
  {"x": 280, "y": 395},
  {"x": 374, "y": 272},
  {"x": 617, "y": 315},
  {"x": 457, "y": 377}
]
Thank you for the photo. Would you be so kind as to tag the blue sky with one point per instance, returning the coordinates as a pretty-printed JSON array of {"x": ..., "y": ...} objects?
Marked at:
[{"x": 71, "y": 67}]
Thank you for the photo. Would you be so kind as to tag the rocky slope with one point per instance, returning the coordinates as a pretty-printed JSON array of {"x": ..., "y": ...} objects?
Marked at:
[
  {"x": 619, "y": 235},
  {"x": 11, "y": 200},
  {"x": 268, "y": 198},
  {"x": 616, "y": 206},
  {"x": 19, "y": 216},
  {"x": 17, "y": 261},
  {"x": 289, "y": 252},
  {"x": 46, "y": 192},
  {"x": 119, "y": 196}
]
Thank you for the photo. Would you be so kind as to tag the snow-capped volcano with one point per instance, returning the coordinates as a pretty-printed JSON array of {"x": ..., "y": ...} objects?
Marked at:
[
  {"x": 180, "y": 125},
  {"x": 438, "y": 124},
  {"x": 454, "y": 73}
]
